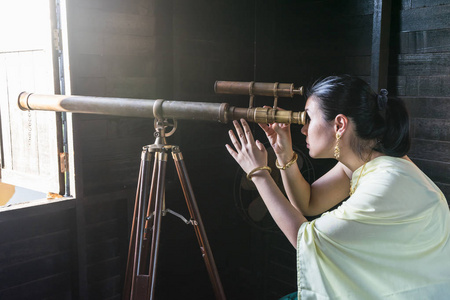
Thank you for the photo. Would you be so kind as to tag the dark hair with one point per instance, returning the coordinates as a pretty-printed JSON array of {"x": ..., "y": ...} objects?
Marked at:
[{"x": 374, "y": 116}]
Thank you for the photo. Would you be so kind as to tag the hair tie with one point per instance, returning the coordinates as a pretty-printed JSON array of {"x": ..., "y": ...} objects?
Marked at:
[{"x": 382, "y": 99}]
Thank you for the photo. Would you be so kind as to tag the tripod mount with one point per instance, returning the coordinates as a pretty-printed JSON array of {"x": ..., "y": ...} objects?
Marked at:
[{"x": 149, "y": 209}]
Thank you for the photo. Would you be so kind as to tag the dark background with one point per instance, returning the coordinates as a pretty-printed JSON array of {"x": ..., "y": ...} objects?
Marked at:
[{"x": 177, "y": 49}]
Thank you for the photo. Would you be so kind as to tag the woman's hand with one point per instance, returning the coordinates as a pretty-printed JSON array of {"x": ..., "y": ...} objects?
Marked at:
[
  {"x": 279, "y": 136},
  {"x": 248, "y": 153},
  {"x": 251, "y": 154}
]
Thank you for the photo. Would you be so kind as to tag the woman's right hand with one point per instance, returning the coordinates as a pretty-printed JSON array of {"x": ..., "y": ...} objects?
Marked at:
[
  {"x": 247, "y": 152},
  {"x": 279, "y": 136}
]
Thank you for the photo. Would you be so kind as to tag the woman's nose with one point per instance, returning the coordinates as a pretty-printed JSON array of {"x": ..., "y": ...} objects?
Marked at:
[{"x": 304, "y": 129}]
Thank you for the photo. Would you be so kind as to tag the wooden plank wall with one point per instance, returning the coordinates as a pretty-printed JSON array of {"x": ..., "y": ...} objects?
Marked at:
[
  {"x": 37, "y": 256},
  {"x": 113, "y": 52},
  {"x": 300, "y": 41},
  {"x": 212, "y": 40},
  {"x": 419, "y": 73}
]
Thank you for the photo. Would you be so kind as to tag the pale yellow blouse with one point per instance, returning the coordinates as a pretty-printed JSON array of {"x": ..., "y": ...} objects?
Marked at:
[{"x": 389, "y": 240}]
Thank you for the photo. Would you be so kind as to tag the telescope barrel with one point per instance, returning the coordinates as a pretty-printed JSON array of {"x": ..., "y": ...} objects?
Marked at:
[
  {"x": 273, "y": 89},
  {"x": 144, "y": 108}
]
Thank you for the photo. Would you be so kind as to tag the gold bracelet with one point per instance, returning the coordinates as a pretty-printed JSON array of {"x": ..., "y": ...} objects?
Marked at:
[
  {"x": 250, "y": 174},
  {"x": 288, "y": 164}
]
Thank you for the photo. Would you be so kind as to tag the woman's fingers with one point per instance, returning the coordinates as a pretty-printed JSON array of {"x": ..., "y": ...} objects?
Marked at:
[
  {"x": 265, "y": 127},
  {"x": 234, "y": 140},
  {"x": 247, "y": 131},
  {"x": 260, "y": 146},
  {"x": 247, "y": 152},
  {"x": 231, "y": 151},
  {"x": 240, "y": 132}
]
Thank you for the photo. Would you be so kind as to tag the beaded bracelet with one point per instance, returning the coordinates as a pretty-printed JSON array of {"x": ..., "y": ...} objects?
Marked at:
[
  {"x": 250, "y": 174},
  {"x": 288, "y": 164}
]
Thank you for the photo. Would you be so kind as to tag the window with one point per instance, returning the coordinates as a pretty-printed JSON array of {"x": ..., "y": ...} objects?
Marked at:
[{"x": 31, "y": 141}]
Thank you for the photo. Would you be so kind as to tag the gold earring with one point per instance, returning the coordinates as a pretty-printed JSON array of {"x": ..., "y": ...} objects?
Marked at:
[{"x": 337, "y": 151}]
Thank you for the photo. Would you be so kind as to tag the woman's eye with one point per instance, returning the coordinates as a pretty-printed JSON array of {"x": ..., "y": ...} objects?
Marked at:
[{"x": 308, "y": 119}]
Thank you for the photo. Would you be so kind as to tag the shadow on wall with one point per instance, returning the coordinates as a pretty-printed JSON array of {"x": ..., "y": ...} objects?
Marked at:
[{"x": 10, "y": 194}]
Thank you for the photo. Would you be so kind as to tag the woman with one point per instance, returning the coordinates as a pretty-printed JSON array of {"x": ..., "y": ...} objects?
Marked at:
[{"x": 390, "y": 238}]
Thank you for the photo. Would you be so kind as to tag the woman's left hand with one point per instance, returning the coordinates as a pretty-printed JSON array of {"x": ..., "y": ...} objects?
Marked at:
[{"x": 248, "y": 153}]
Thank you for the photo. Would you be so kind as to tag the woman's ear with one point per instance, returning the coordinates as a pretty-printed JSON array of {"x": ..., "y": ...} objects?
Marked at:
[{"x": 341, "y": 124}]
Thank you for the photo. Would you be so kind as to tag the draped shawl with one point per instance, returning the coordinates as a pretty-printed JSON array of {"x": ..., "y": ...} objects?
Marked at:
[{"x": 389, "y": 240}]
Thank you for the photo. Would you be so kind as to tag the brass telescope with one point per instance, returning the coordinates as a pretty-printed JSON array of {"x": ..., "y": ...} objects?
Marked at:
[
  {"x": 170, "y": 109},
  {"x": 150, "y": 203}
]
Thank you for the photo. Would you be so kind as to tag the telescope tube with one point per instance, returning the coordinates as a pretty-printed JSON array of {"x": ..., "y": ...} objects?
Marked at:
[
  {"x": 274, "y": 89},
  {"x": 144, "y": 108}
]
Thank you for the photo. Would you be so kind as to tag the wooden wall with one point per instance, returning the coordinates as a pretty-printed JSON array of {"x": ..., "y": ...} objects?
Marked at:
[
  {"x": 37, "y": 252},
  {"x": 114, "y": 51},
  {"x": 301, "y": 41},
  {"x": 177, "y": 50},
  {"x": 420, "y": 73}
]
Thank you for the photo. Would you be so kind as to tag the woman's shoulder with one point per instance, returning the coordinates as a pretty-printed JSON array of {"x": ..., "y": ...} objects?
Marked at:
[
  {"x": 392, "y": 165},
  {"x": 400, "y": 177}
]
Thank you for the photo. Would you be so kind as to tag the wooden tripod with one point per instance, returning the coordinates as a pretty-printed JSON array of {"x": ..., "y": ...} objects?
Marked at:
[{"x": 149, "y": 208}]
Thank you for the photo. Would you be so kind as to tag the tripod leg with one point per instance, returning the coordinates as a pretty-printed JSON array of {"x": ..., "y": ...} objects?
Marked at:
[
  {"x": 198, "y": 223},
  {"x": 148, "y": 229},
  {"x": 159, "y": 194},
  {"x": 139, "y": 208}
]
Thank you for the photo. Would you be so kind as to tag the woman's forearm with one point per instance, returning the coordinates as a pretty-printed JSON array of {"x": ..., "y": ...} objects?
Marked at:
[
  {"x": 288, "y": 218},
  {"x": 297, "y": 188}
]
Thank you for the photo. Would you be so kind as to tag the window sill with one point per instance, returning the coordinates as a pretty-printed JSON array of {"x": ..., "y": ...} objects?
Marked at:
[{"x": 38, "y": 205}]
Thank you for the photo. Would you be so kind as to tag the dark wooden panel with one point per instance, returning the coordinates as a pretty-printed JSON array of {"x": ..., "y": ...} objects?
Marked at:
[
  {"x": 15, "y": 253},
  {"x": 426, "y": 18},
  {"x": 430, "y": 150},
  {"x": 209, "y": 20},
  {"x": 104, "y": 269},
  {"x": 114, "y": 22},
  {"x": 397, "y": 85},
  {"x": 380, "y": 44},
  {"x": 281, "y": 266},
  {"x": 428, "y": 107},
  {"x": 110, "y": 288},
  {"x": 104, "y": 249},
  {"x": 437, "y": 171},
  {"x": 101, "y": 127},
  {"x": 428, "y": 3},
  {"x": 285, "y": 274},
  {"x": 55, "y": 287},
  {"x": 110, "y": 176},
  {"x": 432, "y": 129},
  {"x": 26, "y": 226},
  {"x": 137, "y": 7},
  {"x": 40, "y": 267},
  {"x": 434, "y": 86},
  {"x": 426, "y": 64},
  {"x": 104, "y": 211},
  {"x": 424, "y": 41},
  {"x": 118, "y": 149},
  {"x": 282, "y": 253},
  {"x": 422, "y": 86},
  {"x": 103, "y": 231},
  {"x": 101, "y": 65}
]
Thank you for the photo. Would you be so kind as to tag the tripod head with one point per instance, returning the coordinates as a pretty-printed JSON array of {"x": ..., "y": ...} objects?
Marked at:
[{"x": 160, "y": 123}]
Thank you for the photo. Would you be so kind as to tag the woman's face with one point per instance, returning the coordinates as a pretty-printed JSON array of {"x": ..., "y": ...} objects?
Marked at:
[{"x": 320, "y": 134}]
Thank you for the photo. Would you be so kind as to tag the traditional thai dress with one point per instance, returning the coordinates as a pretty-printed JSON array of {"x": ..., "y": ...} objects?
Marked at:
[{"x": 389, "y": 240}]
